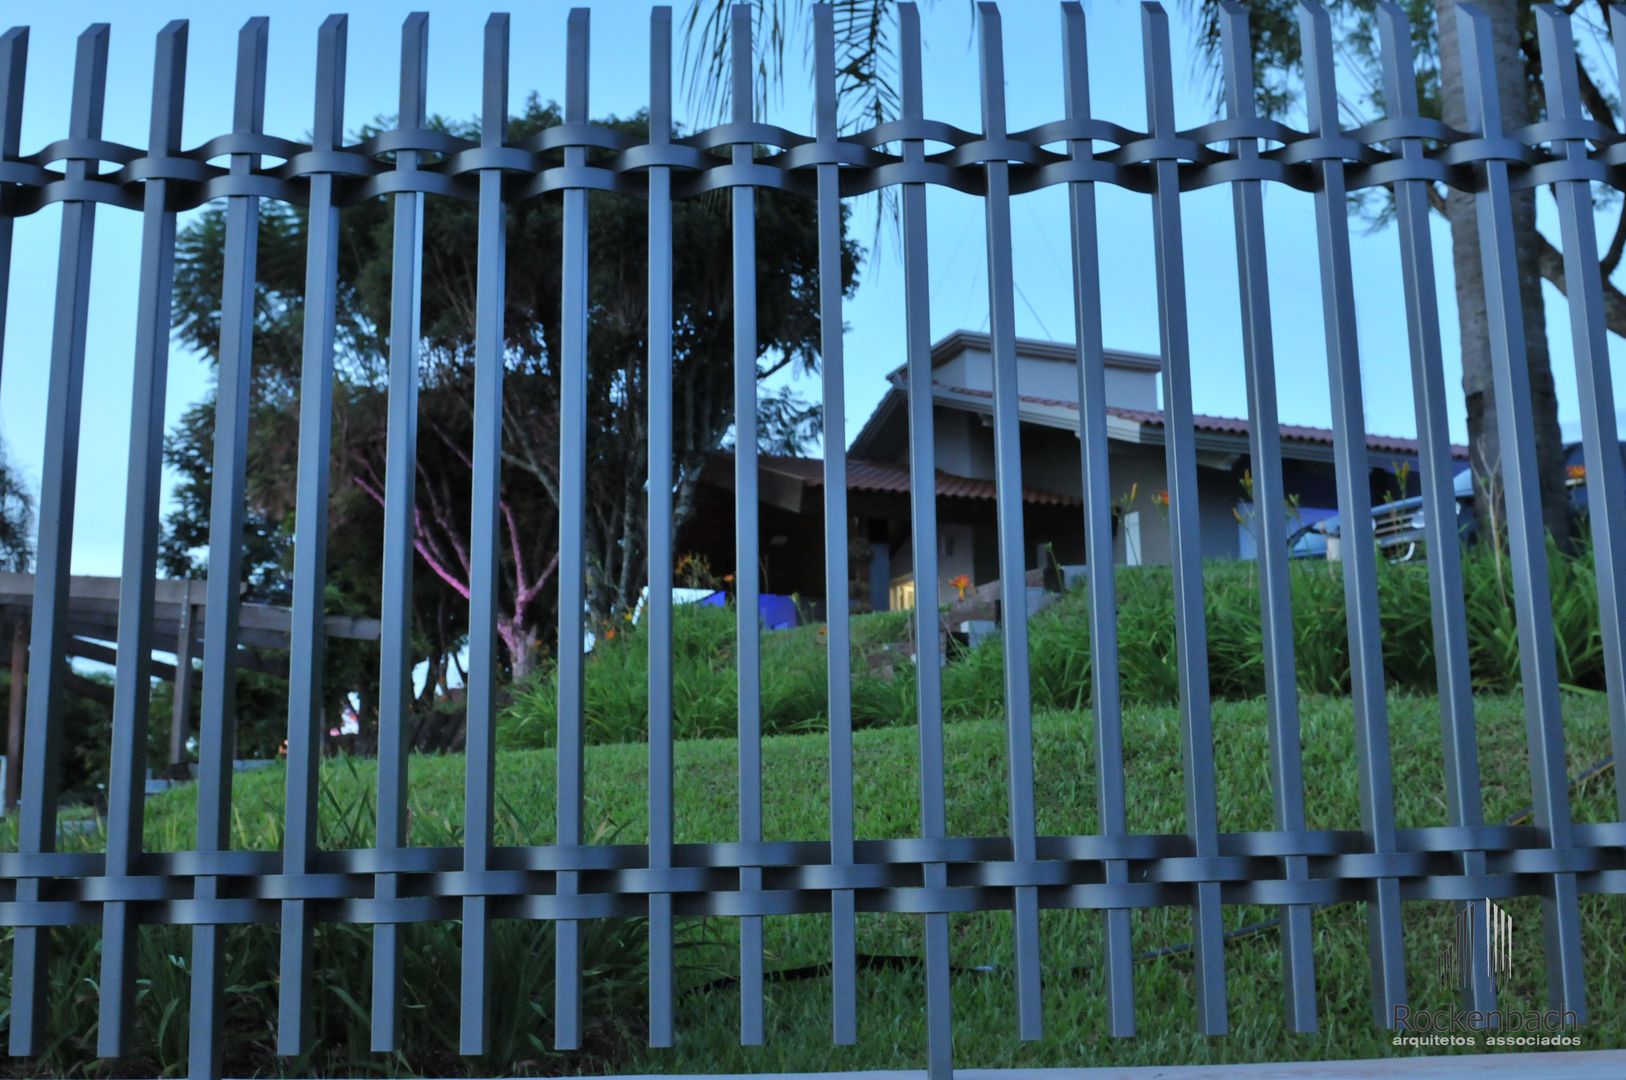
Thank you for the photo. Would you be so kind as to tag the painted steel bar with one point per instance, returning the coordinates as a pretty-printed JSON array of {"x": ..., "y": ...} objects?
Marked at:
[
  {"x": 1180, "y": 455},
  {"x": 1357, "y": 547},
  {"x": 1269, "y": 518},
  {"x": 746, "y": 541},
  {"x": 13, "y": 78},
  {"x": 1527, "y": 552},
  {"x": 52, "y": 554},
  {"x": 186, "y": 651},
  {"x": 658, "y": 609},
  {"x": 838, "y": 618},
  {"x": 1013, "y": 613},
  {"x": 216, "y": 728},
  {"x": 395, "y": 651},
  {"x": 132, "y": 685},
  {"x": 1464, "y": 803},
  {"x": 923, "y": 539},
  {"x": 307, "y": 643},
  {"x": 474, "y": 1022},
  {"x": 1595, "y": 389},
  {"x": 572, "y": 525},
  {"x": 1105, "y": 693}
]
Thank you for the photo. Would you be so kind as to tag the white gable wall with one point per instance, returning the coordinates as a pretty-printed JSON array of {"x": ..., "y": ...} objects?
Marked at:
[{"x": 1042, "y": 377}]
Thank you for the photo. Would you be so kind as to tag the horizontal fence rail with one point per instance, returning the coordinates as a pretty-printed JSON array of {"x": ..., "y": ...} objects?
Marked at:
[{"x": 575, "y": 881}]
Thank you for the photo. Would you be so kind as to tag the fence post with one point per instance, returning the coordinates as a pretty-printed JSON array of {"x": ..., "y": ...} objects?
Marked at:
[
  {"x": 838, "y": 618},
  {"x": 307, "y": 641},
  {"x": 746, "y": 541},
  {"x": 923, "y": 538},
  {"x": 480, "y": 762},
  {"x": 572, "y": 525},
  {"x": 1595, "y": 391},
  {"x": 43, "y": 731},
  {"x": 1464, "y": 802},
  {"x": 217, "y": 717},
  {"x": 1527, "y": 550},
  {"x": 1270, "y": 514},
  {"x": 395, "y": 651},
  {"x": 1180, "y": 456},
  {"x": 659, "y": 611},
  {"x": 1013, "y": 616}
]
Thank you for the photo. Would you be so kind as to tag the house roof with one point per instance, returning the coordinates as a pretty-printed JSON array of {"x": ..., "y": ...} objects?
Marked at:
[
  {"x": 1215, "y": 425},
  {"x": 874, "y": 476},
  {"x": 1064, "y": 352}
]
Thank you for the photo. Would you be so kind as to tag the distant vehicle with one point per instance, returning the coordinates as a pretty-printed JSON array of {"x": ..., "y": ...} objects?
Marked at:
[
  {"x": 1397, "y": 526},
  {"x": 1575, "y": 474}
]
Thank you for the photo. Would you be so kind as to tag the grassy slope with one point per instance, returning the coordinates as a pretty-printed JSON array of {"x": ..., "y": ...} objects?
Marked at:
[{"x": 891, "y": 1032}]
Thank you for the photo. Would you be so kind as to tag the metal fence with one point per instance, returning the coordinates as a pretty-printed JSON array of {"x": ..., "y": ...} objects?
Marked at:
[{"x": 1290, "y": 868}]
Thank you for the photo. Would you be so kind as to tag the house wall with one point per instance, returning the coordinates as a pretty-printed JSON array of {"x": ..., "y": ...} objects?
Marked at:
[
  {"x": 1051, "y": 462},
  {"x": 1038, "y": 377}
]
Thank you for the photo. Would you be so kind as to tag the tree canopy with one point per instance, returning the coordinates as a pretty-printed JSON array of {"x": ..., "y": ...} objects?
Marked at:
[{"x": 787, "y": 311}]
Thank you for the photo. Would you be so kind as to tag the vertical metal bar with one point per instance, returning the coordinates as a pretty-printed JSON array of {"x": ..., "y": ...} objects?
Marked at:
[
  {"x": 1450, "y": 620},
  {"x": 306, "y": 637},
  {"x": 1270, "y": 521},
  {"x": 923, "y": 538},
  {"x": 217, "y": 718},
  {"x": 14, "y": 713},
  {"x": 659, "y": 609},
  {"x": 480, "y": 745},
  {"x": 43, "y": 733},
  {"x": 572, "y": 525},
  {"x": 1180, "y": 456},
  {"x": 1532, "y": 592},
  {"x": 127, "y": 769},
  {"x": 395, "y": 656},
  {"x": 1106, "y": 703},
  {"x": 1600, "y": 435},
  {"x": 1012, "y": 547},
  {"x": 838, "y": 656},
  {"x": 180, "y": 713},
  {"x": 126, "y": 787},
  {"x": 747, "y": 585},
  {"x": 13, "y": 72},
  {"x": 1357, "y": 548}
]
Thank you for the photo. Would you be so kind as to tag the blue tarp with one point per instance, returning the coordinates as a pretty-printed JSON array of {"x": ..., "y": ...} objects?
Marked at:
[{"x": 777, "y": 612}]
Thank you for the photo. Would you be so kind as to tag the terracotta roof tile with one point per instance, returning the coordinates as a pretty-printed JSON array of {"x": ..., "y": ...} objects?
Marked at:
[
  {"x": 881, "y": 476},
  {"x": 1223, "y": 425}
]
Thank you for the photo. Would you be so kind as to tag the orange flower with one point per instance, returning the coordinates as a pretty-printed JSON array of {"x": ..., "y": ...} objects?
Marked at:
[
  {"x": 1576, "y": 472},
  {"x": 609, "y": 635},
  {"x": 961, "y": 583},
  {"x": 1162, "y": 498},
  {"x": 728, "y": 577}
]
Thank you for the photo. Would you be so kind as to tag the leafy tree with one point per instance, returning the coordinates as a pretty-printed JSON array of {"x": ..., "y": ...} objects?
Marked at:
[
  {"x": 1278, "y": 57},
  {"x": 16, "y": 517},
  {"x": 787, "y": 310}
]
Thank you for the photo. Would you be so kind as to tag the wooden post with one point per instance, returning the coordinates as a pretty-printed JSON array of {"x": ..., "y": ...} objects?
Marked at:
[
  {"x": 14, "y": 726},
  {"x": 181, "y": 715}
]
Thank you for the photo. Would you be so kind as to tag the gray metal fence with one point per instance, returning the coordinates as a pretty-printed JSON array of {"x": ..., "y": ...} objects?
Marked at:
[{"x": 1290, "y": 868}]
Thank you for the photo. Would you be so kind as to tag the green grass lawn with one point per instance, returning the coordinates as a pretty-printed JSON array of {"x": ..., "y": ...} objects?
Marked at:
[{"x": 891, "y": 999}]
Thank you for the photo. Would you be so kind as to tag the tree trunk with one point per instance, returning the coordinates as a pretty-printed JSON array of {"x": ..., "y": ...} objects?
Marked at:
[
  {"x": 1484, "y": 443},
  {"x": 522, "y": 643}
]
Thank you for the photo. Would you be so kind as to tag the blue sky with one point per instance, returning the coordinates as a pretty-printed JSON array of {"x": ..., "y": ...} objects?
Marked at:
[{"x": 619, "y": 84}]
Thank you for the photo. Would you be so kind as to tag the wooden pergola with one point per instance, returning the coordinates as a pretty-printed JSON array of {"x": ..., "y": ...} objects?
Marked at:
[{"x": 179, "y": 617}]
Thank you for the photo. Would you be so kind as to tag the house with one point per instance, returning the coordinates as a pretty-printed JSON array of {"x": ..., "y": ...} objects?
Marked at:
[{"x": 1052, "y": 475}]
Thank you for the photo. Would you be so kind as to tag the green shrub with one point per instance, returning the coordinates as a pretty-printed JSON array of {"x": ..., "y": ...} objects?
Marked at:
[
  {"x": 615, "y": 959},
  {"x": 794, "y": 689}
]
